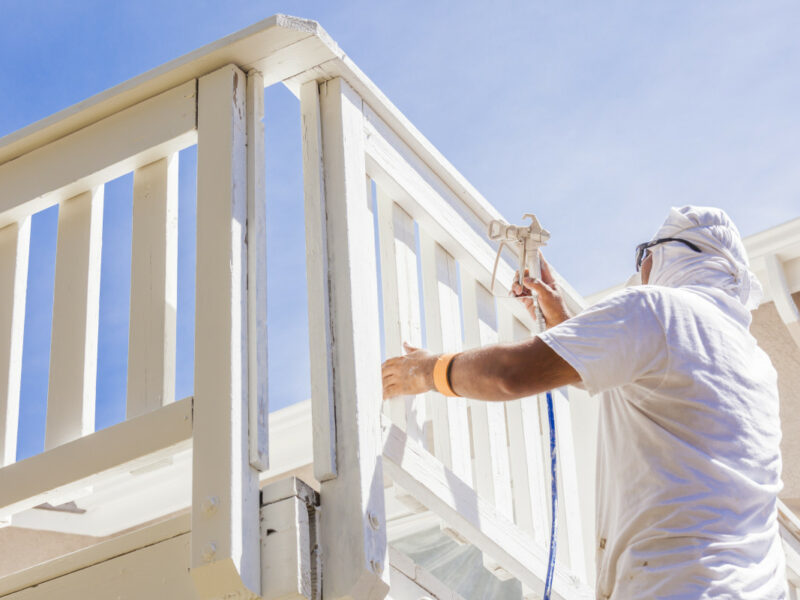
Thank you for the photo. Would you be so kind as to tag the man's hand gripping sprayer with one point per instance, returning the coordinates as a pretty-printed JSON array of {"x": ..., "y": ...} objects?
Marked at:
[{"x": 527, "y": 241}]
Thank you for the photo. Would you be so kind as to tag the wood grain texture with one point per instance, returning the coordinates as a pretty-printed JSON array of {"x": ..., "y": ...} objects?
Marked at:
[
  {"x": 225, "y": 540},
  {"x": 401, "y": 314},
  {"x": 14, "y": 251},
  {"x": 154, "y": 287},
  {"x": 449, "y": 418},
  {"x": 257, "y": 275},
  {"x": 353, "y": 520},
  {"x": 320, "y": 332},
  {"x": 76, "y": 305}
]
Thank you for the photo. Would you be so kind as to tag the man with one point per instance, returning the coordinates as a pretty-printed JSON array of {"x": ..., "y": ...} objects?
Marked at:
[{"x": 688, "y": 464}]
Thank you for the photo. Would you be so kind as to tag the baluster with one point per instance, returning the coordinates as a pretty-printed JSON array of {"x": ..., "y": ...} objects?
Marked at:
[
  {"x": 76, "y": 303},
  {"x": 569, "y": 513},
  {"x": 154, "y": 295},
  {"x": 257, "y": 276},
  {"x": 14, "y": 249},
  {"x": 320, "y": 342},
  {"x": 531, "y": 507},
  {"x": 490, "y": 442},
  {"x": 401, "y": 315},
  {"x": 449, "y": 417}
]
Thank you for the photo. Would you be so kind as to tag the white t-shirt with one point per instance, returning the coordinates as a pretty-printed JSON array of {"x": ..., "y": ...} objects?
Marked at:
[{"x": 688, "y": 465}]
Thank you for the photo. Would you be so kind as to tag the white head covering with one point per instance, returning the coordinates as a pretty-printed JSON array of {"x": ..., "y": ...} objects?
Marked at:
[{"x": 721, "y": 265}]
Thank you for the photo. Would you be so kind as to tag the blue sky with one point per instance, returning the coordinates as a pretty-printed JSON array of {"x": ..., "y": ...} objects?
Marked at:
[{"x": 597, "y": 116}]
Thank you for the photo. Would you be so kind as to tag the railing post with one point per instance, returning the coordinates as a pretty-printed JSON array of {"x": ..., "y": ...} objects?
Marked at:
[
  {"x": 225, "y": 498},
  {"x": 353, "y": 519},
  {"x": 14, "y": 248}
]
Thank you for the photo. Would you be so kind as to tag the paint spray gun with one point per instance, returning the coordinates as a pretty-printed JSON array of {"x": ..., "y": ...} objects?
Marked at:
[{"x": 525, "y": 241}]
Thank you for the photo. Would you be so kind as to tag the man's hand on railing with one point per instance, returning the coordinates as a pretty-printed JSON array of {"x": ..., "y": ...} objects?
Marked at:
[
  {"x": 554, "y": 309},
  {"x": 410, "y": 374}
]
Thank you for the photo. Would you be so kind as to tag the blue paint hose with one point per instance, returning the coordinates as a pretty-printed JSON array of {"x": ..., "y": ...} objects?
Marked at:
[{"x": 551, "y": 562}]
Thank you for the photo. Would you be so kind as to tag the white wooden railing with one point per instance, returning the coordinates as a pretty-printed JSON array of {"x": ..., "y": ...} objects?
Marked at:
[
  {"x": 219, "y": 111},
  {"x": 479, "y": 467},
  {"x": 487, "y": 459}
]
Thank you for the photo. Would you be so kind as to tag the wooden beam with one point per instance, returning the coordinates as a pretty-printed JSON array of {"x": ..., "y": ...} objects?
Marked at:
[
  {"x": 155, "y": 571},
  {"x": 91, "y": 156},
  {"x": 225, "y": 528},
  {"x": 257, "y": 276},
  {"x": 76, "y": 306},
  {"x": 120, "y": 448},
  {"x": 154, "y": 287},
  {"x": 421, "y": 474},
  {"x": 96, "y": 554},
  {"x": 353, "y": 520},
  {"x": 320, "y": 332},
  {"x": 14, "y": 249}
]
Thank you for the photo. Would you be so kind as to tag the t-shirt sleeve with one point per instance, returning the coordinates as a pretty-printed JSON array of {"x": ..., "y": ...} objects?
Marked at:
[{"x": 617, "y": 341}]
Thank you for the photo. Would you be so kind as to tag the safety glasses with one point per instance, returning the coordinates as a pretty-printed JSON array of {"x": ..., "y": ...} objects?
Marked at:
[{"x": 641, "y": 249}]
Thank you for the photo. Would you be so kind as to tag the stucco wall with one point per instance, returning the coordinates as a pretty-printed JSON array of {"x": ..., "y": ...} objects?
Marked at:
[{"x": 774, "y": 338}]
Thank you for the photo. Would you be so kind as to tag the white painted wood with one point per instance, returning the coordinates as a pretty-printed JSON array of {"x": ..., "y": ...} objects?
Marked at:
[
  {"x": 76, "y": 305},
  {"x": 14, "y": 249},
  {"x": 98, "y": 153},
  {"x": 530, "y": 484},
  {"x": 257, "y": 275},
  {"x": 95, "y": 554},
  {"x": 260, "y": 44},
  {"x": 154, "y": 287},
  {"x": 75, "y": 465},
  {"x": 156, "y": 571},
  {"x": 490, "y": 441},
  {"x": 448, "y": 215},
  {"x": 401, "y": 315},
  {"x": 570, "y": 528},
  {"x": 584, "y": 413},
  {"x": 450, "y": 422},
  {"x": 782, "y": 297},
  {"x": 410, "y": 581},
  {"x": 353, "y": 521},
  {"x": 286, "y": 551},
  {"x": 412, "y": 467},
  {"x": 225, "y": 538},
  {"x": 319, "y": 308}
]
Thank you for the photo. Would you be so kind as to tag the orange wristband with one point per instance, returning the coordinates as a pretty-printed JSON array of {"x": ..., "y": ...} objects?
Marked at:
[{"x": 441, "y": 374}]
